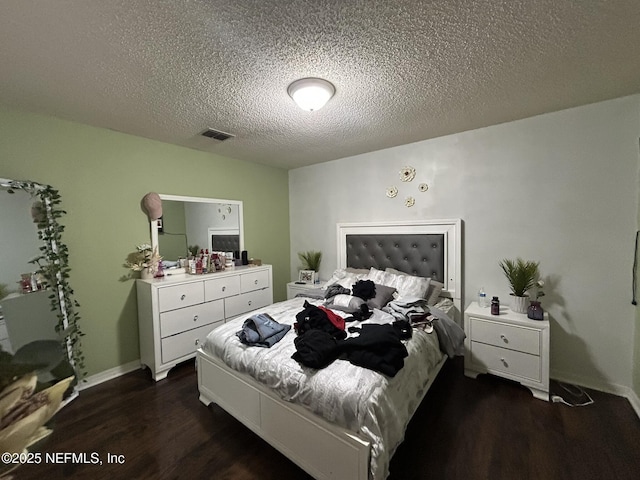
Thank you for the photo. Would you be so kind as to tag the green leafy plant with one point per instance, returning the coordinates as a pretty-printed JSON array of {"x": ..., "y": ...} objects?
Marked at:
[
  {"x": 521, "y": 274},
  {"x": 310, "y": 260},
  {"x": 53, "y": 265}
]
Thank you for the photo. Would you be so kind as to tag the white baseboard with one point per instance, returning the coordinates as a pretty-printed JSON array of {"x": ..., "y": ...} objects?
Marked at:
[
  {"x": 614, "y": 389},
  {"x": 98, "y": 378}
]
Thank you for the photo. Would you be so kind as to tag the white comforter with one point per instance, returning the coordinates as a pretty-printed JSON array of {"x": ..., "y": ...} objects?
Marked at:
[{"x": 376, "y": 407}]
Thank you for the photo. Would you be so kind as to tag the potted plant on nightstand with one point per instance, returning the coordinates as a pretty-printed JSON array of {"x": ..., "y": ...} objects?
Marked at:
[
  {"x": 311, "y": 260},
  {"x": 522, "y": 276}
]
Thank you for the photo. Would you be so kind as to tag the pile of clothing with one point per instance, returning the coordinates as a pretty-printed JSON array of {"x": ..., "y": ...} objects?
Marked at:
[
  {"x": 261, "y": 330},
  {"x": 322, "y": 339}
]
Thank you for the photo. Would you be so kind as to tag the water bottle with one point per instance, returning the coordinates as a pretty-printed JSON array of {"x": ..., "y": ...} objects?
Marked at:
[{"x": 482, "y": 298}]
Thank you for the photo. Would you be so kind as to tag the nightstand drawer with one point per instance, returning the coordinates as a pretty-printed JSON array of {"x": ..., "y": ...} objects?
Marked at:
[
  {"x": 180, "y": 296},
  {"x": 502, "y": 360},
  {"x": 177, "y": 321},
  {"x": 512, "y": 337}
]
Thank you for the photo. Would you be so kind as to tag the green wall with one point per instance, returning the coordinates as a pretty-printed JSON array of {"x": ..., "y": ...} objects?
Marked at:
[{"x": 102, "y": 175}]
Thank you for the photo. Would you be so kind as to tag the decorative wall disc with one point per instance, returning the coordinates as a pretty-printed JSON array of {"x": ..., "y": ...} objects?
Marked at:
[
  {"x": 423, "y": 187},
  {"x": 392, "y": 192},
  {"x": 409, "y": 201},
  {"x": 407, "y": 174}
]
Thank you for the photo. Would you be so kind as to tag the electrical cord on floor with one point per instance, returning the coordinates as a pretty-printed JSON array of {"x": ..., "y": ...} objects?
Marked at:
[{"x": 577, "y": 393}]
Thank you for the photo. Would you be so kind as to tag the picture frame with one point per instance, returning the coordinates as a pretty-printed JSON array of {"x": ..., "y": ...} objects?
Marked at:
[{"x": 306, "y": 276}]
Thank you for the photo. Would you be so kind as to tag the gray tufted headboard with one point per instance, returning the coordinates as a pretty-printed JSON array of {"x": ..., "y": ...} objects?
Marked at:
[
  {"x": 429, "y": 248},
  {"x": 421, "y": 255},
  {"x": 225, "y": 243}
]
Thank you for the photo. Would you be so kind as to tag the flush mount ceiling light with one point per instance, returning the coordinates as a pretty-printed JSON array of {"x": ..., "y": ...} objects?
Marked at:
[{"x": 311, "y": 93}]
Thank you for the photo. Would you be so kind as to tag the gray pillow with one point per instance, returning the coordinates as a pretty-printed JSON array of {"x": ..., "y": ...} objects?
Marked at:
[
  {"x": 433, "y": 292},
  {"x": 383, "y": 296},
  {"x": 357, "y": 271}
]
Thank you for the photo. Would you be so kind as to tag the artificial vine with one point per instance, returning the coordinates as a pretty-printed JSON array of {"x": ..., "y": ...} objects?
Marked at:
[{"x": 53, "y": 265}]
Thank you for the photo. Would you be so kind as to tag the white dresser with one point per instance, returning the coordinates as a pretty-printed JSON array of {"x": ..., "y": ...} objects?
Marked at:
[
  {"x": 509, "y": 345},
  {"x": 176, "y": 313}
]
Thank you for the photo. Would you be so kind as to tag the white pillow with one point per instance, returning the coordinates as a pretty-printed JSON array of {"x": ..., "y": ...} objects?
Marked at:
[
  {"x": 433, "y": 291},
  {"x": 406, "y": 285},
  {"x": 380, "y": 277},
  {"x": 344, "y": 278}
]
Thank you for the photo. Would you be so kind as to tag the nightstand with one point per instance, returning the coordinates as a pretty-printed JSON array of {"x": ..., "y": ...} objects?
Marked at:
[
  {"x": 508, "y": 345},
  {"x": 294, "y": 288}
]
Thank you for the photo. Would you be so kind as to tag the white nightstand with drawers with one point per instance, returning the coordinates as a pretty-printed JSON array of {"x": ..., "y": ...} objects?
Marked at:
[
  {"x": 508, "y": 345},
  {"x": 294, "y": 288}
]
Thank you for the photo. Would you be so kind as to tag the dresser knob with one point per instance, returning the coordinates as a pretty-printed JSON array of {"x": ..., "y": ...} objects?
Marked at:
[
  {"x": 249, "y": 302},
  {"x": 255, "y": 282},
  {"x": 504, "y": 338},
  {"x": 224, "y": 288},
  {"x": 504, "y": 362},
  {"x": 183, "y": 297},
  {"x": 195, "y": 318},
  {"x": 197, "y": 342}
]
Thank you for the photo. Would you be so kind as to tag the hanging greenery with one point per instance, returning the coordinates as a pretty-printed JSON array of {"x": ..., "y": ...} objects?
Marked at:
[{"x": 53, "y": 266}]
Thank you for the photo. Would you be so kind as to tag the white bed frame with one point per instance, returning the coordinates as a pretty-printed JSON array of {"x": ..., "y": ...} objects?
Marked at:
[{"x": 334, "y": 453}]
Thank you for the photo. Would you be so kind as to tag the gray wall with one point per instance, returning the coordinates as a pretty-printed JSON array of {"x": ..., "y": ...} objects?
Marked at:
[{"x": 560, "y": 188}]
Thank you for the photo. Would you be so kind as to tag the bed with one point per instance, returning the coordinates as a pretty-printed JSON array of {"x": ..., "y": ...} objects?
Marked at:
[{"x": 342, "y": 421}]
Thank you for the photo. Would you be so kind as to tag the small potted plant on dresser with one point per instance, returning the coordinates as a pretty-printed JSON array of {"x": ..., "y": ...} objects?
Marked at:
[{"x": 522, "y": 276}]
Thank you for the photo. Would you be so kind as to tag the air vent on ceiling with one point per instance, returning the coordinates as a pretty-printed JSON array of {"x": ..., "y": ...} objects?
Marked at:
[{"x": 217, "y": 134}]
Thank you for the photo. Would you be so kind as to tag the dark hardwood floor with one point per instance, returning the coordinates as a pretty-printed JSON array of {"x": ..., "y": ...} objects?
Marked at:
[{"x": 465, "y": 429}]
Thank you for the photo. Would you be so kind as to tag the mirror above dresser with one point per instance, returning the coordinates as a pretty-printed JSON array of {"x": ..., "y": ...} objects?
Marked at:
[{"x": 188, "y": 223}]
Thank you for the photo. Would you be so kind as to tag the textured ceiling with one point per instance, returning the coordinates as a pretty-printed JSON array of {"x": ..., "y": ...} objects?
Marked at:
[{"x": 404, "y": 70}]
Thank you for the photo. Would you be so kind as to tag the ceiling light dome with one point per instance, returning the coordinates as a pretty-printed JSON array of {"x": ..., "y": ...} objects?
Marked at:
[{"x": 311, "y": 93}]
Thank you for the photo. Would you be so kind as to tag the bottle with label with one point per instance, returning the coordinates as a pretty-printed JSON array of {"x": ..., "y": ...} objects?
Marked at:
[
  {"x": 482, "y": 298},
  {"x": 495, "y": 306}
]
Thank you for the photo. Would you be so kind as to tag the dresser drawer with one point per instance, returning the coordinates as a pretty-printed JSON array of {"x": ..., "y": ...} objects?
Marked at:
[
  {"x": 221, "y": 287},
  {"x": 254, "y": 281},
  {"x": 504, "y": 361},
  {"x": 512, "y": 337},
  {"x": 179, "y": 296},
  {"x": 177, "y": 321},
  {"x": 185, "y": 343},
  {"x": 246, "y": 302}
]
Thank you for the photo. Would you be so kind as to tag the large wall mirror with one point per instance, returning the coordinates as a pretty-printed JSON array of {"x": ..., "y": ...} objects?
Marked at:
[
  {"x": 38, "y": 329},
  {"x": 190, "y": 223}
]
